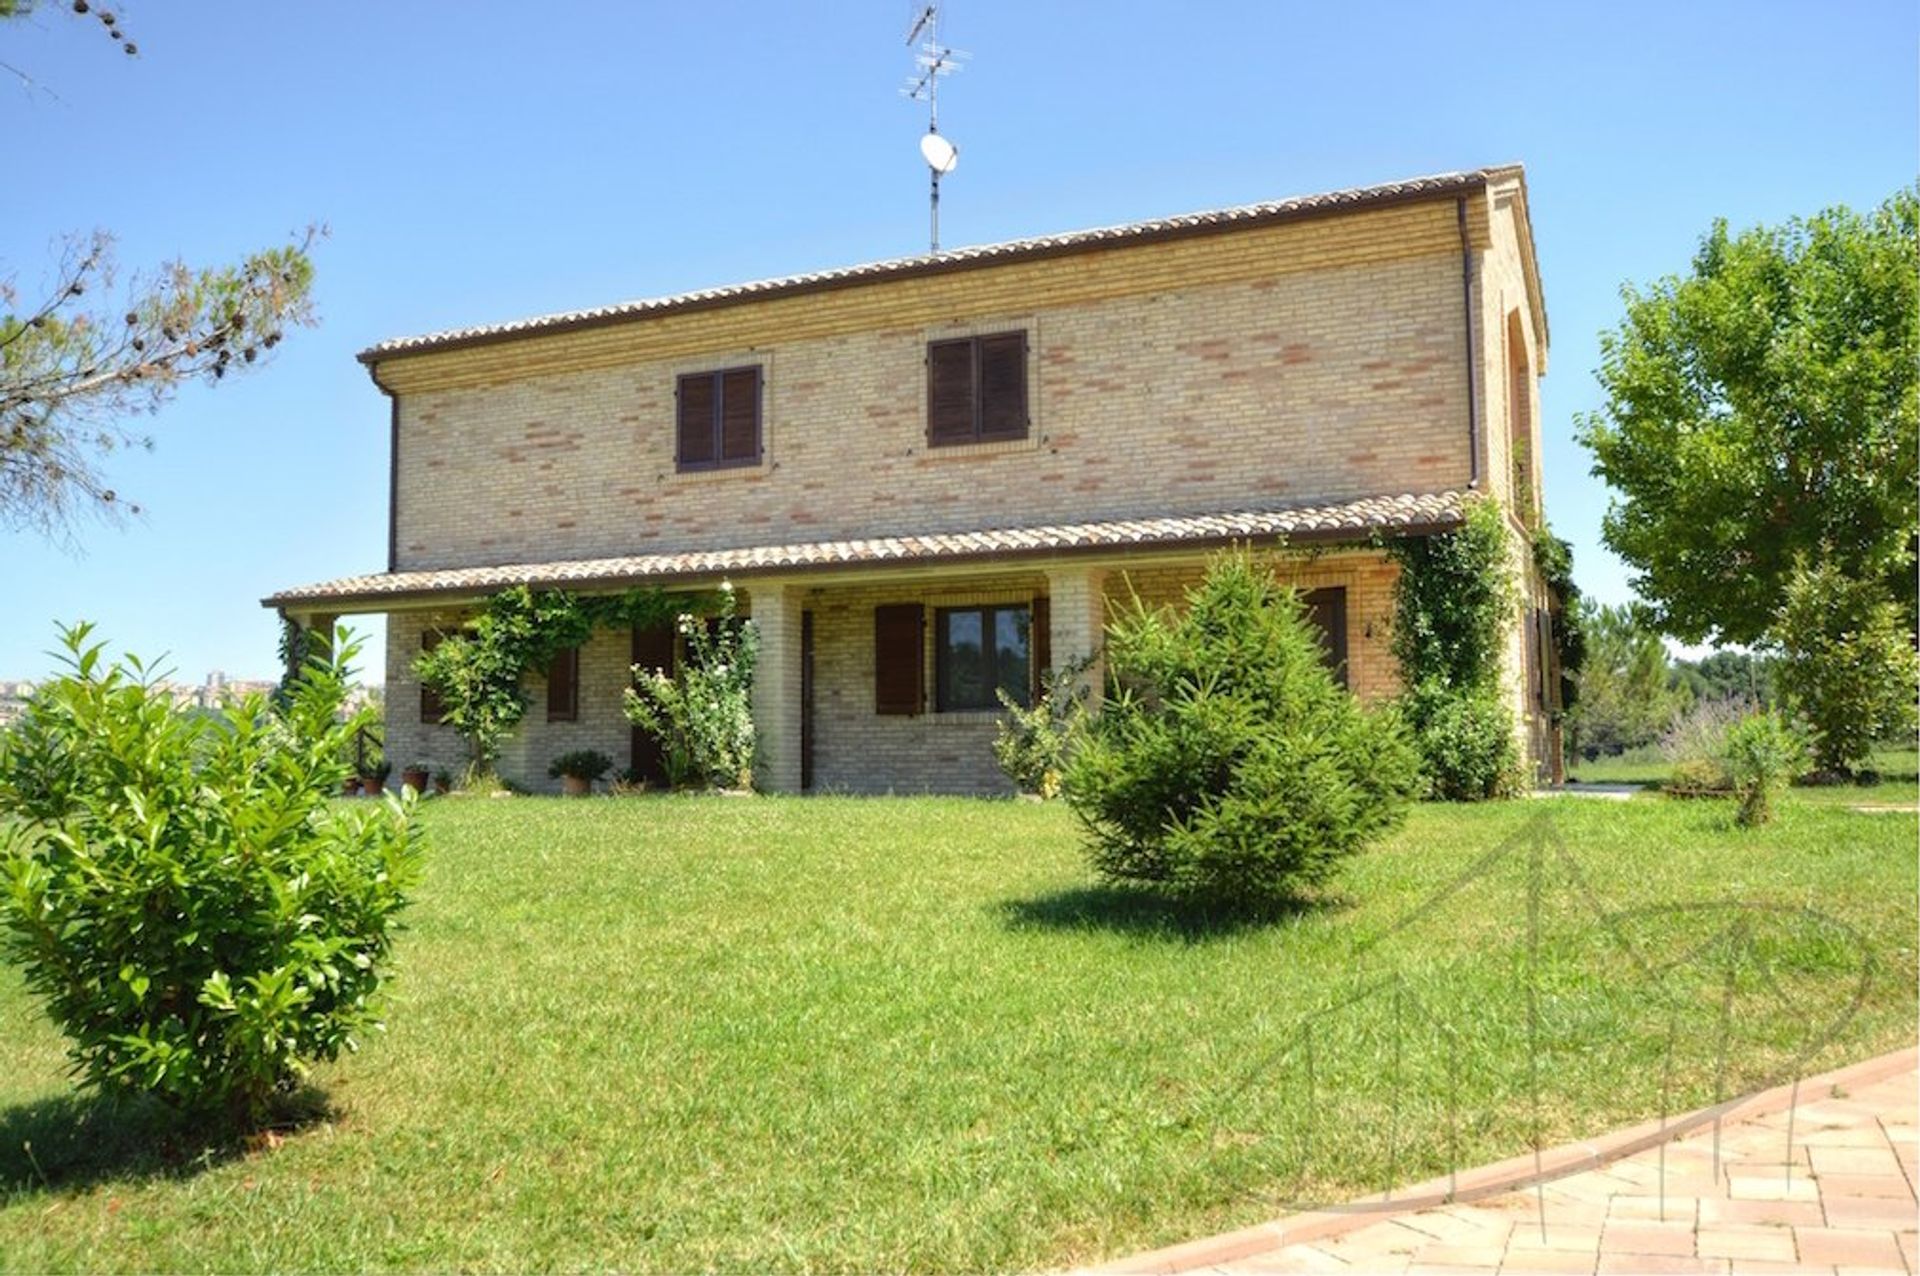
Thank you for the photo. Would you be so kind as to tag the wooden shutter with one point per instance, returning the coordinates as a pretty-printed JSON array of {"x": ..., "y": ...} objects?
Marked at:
[
  {"x": 899, "y": 646},
  {"x": 950, "y": 392},
  {"x": 695, "y": 410},
  {"x": 563, "y": 686},
  {"x": 1003, "y": 386},
  {"x": 1040, "y": 644},
  {"x": 740, "y": 416},
  {"x": 432, "y": 708},
  {"x": 1327, "y": 609}
]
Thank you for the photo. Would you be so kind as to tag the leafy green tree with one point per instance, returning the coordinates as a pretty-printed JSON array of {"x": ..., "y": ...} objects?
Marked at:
[
  {"x": 1761, "y": 408},
  {"x": 90, "y": 355},
  {"x": 1847, "y": 665},
  {"x": 1627, "y": 692},
  {"x": 1727, "y": 675}
]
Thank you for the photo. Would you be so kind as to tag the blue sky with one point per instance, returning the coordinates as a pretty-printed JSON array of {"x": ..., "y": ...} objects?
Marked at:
[{"x": 478, "y": 162}]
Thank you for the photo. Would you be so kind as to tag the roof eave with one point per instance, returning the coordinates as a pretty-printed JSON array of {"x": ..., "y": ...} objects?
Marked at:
[
  {"x": 1333, "y": 204},
  {"x": 1319, "y": 538}
]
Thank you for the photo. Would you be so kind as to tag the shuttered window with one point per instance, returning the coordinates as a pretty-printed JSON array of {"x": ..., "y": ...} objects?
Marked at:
[
  {"x": 980, "y": 652},
  {"x": 1327, "y": 609},
  {"x": 432, "y": 709},
  {"x": 977, "y": 389},
  {"x": 717, "y": 419},
  {"x": 563, "y": 686},
  {"x": 899, "y": 679}
]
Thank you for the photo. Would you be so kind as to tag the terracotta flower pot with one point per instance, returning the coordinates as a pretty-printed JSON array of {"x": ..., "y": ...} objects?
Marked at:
[
  {"x": 575, "y": 786},
  {"x": 415, "y": 779},
  {"x": 350, "y": 787},
  {"x": 373, "y": 785}
]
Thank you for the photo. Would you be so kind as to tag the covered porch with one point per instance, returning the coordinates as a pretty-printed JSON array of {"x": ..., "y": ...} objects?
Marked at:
[{"x": 879, "y": 659}]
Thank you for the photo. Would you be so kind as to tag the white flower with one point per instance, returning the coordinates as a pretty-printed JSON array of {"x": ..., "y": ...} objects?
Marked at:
[{"x": 726, "y": 587}]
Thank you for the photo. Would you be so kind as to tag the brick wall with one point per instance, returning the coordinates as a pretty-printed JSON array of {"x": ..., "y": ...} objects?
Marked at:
[{"x": 1317, "y": 361}]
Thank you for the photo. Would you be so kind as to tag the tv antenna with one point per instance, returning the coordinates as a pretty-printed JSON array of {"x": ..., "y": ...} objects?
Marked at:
[{"x": 935, "y": 61}]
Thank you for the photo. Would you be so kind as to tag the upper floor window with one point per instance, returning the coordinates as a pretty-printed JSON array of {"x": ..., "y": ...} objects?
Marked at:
[
  {"x": 718, "y": 419},
  {"x": 977, "y": 389}
]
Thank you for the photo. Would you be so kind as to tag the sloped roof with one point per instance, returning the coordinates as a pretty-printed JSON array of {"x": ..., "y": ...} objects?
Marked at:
[
  {"x": 1417, "y": 188},
  {"x": 1349, "y": 520}
]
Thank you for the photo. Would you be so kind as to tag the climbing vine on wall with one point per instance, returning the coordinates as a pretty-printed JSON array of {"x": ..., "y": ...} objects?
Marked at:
[
  {"x": 477, "y": 672},
  {"x": 1553, "y": 559},
  {"x": 1452, "y": 606}
]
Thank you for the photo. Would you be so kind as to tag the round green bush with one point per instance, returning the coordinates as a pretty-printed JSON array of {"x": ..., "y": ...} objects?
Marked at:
[
  {"x": 1227, "y": 764},
  {"x": 201, "y": 920},
  {"x": 1465, "y": 738}
]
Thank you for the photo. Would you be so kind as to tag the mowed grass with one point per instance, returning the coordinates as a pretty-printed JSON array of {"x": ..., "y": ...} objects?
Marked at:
[
  {"x": 839, "y": 1034},
  {"x": 1898, "y": 783}
]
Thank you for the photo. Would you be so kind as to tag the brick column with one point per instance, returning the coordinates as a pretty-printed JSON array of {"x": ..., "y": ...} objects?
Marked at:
[
  {"x": 776, "y": 689},
  {"x": 1077, "y": 601},
  {"x": 318, "y": 627}
]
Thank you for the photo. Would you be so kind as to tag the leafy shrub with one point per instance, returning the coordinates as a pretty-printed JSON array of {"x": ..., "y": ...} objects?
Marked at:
[
  {"x": 580, "y": 764},
  {"x": 1465, "y": 738},
  {"x": 202, "y": 922},
  {"x": 1764, "y": 755},
  {"x": 1695, "y": 776},
  {"x": 1031, "y": 743},
  {"x": 1227, "y": 763},
  {"x": 702, "y": 712},
  {"x": 1848, "y": 664}
]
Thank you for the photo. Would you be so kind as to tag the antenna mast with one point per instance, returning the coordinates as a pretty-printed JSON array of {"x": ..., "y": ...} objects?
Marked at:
[{"x": 935, "y": 62}]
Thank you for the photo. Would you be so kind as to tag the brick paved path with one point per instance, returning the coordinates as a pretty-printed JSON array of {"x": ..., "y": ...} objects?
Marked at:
[{"x": 1824, "y": 1186}]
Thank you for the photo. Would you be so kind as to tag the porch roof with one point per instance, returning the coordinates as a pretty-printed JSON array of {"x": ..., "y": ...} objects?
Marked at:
[{"x": 1349, "y": 520}]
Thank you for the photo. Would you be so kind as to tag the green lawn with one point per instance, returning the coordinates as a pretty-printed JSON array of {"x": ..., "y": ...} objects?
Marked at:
[
  {"x": 838, "y": 1034},
  {"x": 1898, "y": 785}
]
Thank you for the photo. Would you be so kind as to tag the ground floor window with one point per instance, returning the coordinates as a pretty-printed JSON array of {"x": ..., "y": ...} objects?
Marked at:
[{"x": 979, "y": 651}]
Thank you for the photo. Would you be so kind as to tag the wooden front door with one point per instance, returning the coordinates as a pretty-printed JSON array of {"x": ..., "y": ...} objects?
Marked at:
[{"x": 652, "y": 649}]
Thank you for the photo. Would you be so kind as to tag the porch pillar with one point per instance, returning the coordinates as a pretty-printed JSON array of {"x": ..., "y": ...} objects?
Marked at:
[
  {"x": 776, "y": 688},
  {"x": 317, "y": 627},
  {"x": 1077, "y": 605}
]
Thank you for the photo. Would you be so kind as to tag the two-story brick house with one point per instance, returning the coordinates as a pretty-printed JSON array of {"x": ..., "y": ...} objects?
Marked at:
[{"x": 932, "y": 476}]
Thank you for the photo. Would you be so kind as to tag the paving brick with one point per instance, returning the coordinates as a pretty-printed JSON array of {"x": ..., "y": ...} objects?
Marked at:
[
  {"x": 1891, "y": 1213},
  {"x": 1657, "y": 1264},
  {"x": 1833, "y": 1246},
  {"x": 1732, "y": 1241},
  {"x": 1647, "y": 1238},
  {"x": 1715, "y": 1213},
  {"x": 1773, "y": 1188},
  {"x": 1531, "y": 1258}
]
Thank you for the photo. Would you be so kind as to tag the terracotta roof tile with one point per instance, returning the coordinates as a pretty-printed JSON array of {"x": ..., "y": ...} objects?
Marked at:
[
  {"x": 1348, "y": 520},
  {"x": 1432, "y": 186}
]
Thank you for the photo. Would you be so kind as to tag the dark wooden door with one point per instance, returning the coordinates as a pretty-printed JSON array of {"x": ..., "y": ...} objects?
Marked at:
[
  {"x": 806, "y": 701},
  {"x": 652, "y": 649}
]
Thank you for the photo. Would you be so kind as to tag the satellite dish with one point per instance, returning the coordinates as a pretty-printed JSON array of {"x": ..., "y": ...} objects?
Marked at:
[{"x": 940, "y": 154}]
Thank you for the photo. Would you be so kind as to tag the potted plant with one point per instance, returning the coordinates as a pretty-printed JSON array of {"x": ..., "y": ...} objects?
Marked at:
[
  {"x": 577, "y": 770},
  {"x": 415, "y": 776},
  {"x": 443, "y": 782},
  {"x": 350, "y": 787},
  {"x": 375, "y": 780}
]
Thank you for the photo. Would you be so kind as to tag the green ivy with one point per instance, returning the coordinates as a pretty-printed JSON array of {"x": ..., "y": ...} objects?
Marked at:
[
  {"x": 1452, "y": 604},
  {"x": 1453, "y": 601},
  {"x": 478, "y": 671},
  {"x": 1553, "y": 559}
]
